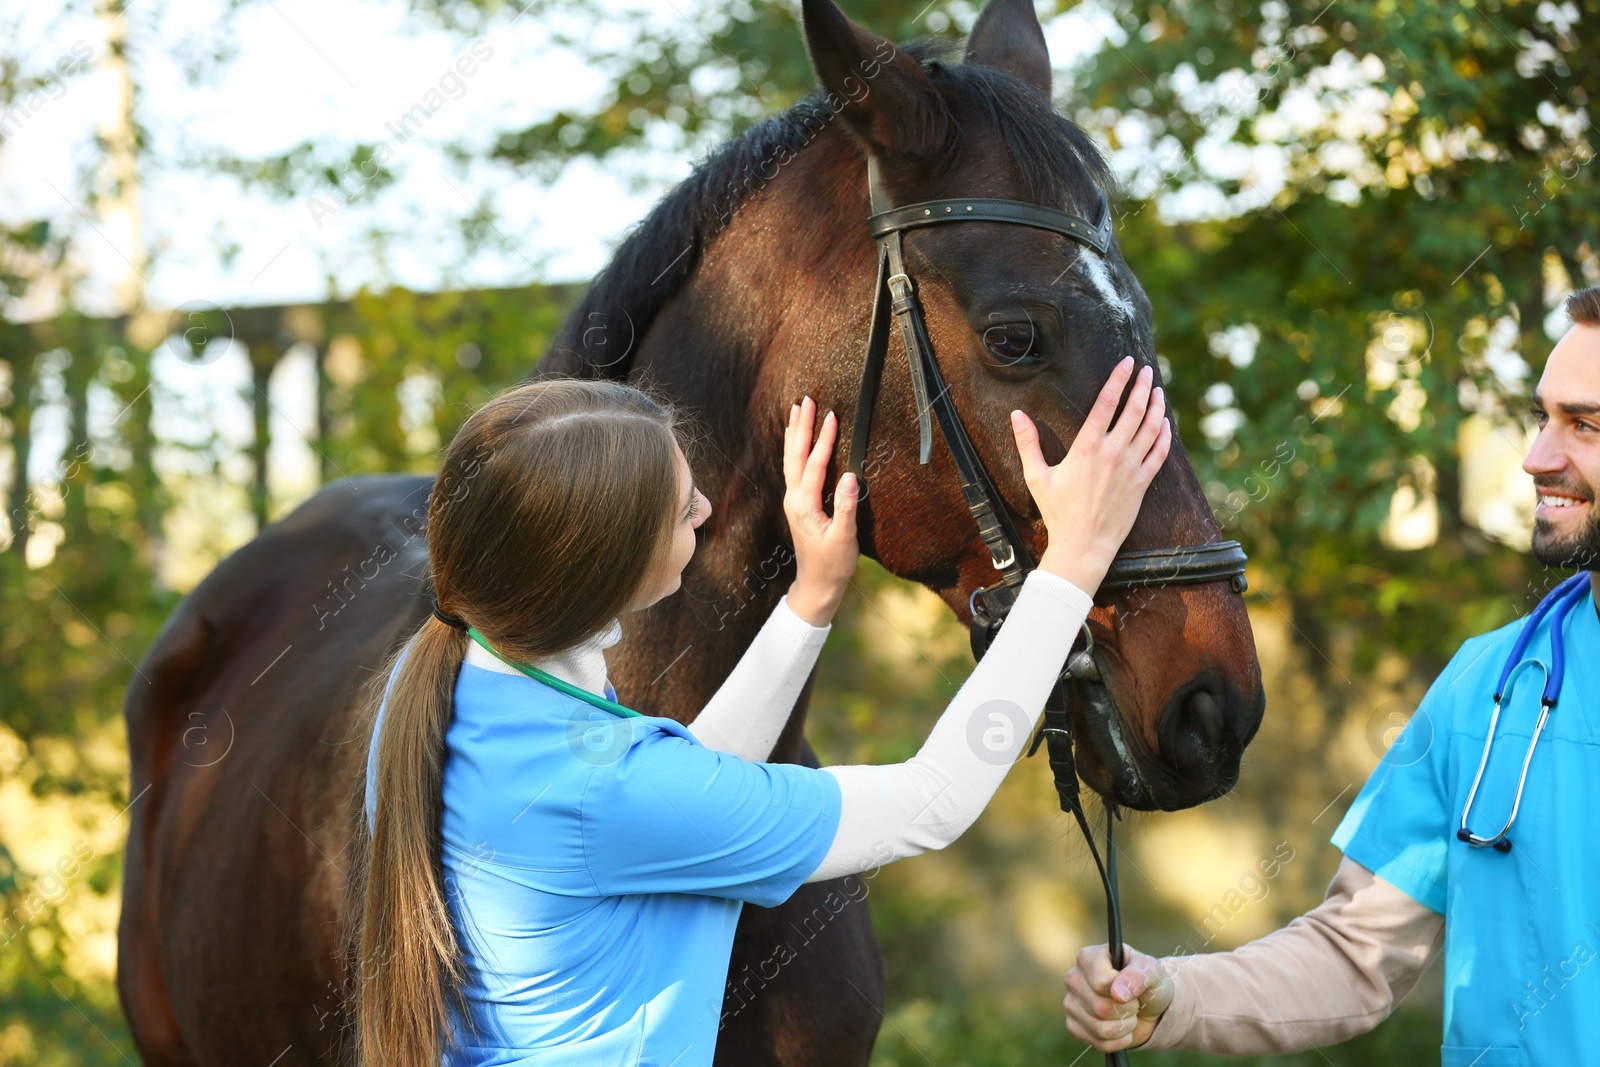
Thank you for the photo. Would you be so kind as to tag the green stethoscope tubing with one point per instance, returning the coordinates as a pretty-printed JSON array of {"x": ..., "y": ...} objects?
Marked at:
[{"x": 556, "y": 683}]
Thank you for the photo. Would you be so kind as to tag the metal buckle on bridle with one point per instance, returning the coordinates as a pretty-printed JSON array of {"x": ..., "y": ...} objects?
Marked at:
[
  {"x": 901, "y": 289},
  {"x": 1081, "y": 667}
]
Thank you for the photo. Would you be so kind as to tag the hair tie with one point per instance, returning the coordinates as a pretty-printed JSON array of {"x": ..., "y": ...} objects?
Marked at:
[{"x": 455, "y": 622}]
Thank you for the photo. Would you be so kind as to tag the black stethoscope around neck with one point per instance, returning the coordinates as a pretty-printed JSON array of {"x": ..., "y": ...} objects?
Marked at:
[{"x": 1557, "y": 605}]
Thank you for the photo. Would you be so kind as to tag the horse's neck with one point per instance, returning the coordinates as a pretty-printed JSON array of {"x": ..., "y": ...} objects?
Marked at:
[
  {"x": 677, "y": 653},
  {"x": 751, "y": 306}
]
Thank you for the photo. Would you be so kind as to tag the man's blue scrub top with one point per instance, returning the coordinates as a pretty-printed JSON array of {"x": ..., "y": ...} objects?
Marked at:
[
  {"x": 1522, "y": 928},
  {"x": 596, "y": 866}
]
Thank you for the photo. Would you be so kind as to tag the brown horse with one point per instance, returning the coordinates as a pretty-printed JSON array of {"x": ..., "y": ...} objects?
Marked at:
[{"x": 748, "y": 285}]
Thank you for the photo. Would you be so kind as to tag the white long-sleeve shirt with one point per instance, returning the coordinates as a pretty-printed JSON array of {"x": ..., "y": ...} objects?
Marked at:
[{"x": 896, "y": 810}]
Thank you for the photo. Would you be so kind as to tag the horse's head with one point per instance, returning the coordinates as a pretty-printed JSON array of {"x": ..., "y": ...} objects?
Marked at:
[{"x": 1026, "y": 318}]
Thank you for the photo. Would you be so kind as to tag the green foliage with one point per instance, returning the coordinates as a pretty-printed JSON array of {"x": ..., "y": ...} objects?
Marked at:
[
  {"x": 1441, "y": 194},
  {"x": 70, "y": 635},
  {"x": 309, "y": 169},
  {"x": 471, "y": 344}
]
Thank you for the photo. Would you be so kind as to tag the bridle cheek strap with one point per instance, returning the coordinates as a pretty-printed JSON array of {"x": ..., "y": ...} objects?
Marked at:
[{"x": 895, "y": 293}]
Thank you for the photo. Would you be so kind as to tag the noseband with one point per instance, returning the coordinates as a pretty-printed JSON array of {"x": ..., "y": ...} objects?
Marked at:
[{"x": 1188, "y": 565}]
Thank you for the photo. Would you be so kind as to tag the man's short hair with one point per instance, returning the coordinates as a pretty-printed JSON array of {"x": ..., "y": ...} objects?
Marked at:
[{"x": 1583, "y": 306}]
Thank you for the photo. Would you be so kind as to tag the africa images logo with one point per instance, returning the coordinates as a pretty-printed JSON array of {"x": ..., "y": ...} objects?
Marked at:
[{"x": 596, "y": 736}]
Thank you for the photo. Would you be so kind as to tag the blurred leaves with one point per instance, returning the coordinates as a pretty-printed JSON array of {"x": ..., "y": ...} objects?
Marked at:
[
  {"x": 308, "y": 169},
  {"x": 708, "y": 75}
]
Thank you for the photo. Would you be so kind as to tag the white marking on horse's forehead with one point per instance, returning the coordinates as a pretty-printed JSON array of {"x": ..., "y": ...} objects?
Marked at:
[{"x": 1094, "y": 268}]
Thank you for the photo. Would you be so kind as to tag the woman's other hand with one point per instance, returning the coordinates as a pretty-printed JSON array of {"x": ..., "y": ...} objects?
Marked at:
[
  {"x": 1089, "y": 500},
  {"x": 824, "y": 545},
  {"x": 1109, "y": 1009}
]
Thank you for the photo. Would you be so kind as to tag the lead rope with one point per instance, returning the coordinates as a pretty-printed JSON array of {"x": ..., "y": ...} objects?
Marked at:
[
  {"x": 1113, "y": 910},
  {"x": 1057, "y": 735}
]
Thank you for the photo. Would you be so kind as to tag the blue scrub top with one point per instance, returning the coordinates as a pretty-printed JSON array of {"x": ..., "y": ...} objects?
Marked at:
[
  {"x": 596, "y": 866},
  {"x": 1522, "y": 928}
]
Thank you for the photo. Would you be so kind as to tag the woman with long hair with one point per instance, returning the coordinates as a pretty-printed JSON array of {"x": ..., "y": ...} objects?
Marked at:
[{"x": 551, "y": 877}]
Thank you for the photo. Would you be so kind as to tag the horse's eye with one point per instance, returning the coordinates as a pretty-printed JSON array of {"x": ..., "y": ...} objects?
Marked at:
[{"x": 1012, "y": 342}]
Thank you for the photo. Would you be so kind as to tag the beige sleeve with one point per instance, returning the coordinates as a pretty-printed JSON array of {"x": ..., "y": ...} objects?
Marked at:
[{"x": 1331, "y": 974}]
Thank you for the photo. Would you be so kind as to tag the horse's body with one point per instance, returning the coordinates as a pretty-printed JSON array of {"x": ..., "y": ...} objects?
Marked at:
[{"x": 247, "y": 749}]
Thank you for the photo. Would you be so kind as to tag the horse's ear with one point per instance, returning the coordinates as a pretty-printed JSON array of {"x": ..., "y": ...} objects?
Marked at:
[
  {"x": 1007, "y": 35},
  {"x": 882, "y": 93}
]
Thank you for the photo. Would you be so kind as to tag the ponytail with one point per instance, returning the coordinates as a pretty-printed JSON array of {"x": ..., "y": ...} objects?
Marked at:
[{"x": 410, "y": 968}]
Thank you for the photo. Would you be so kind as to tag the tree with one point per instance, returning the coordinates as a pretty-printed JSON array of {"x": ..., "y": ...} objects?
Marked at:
[{"x": 1394, "y": 286}]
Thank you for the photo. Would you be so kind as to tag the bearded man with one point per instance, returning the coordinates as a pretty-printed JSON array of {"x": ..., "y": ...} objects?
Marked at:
[{"x": 1429, "y": 859}]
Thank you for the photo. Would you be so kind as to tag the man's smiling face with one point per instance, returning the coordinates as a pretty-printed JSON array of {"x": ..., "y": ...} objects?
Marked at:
[{"x": 1565, "y": 458}]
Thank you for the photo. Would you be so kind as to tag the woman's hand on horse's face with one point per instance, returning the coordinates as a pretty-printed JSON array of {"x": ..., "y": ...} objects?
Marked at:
[
  {"x": 1090, "y": 499},
  {"x": 1109, "y": 1009},
  {"x": 824, "y": 545}
]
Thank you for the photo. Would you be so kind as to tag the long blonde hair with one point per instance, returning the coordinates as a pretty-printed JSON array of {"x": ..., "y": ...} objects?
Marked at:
[{"x": 552, "y": 506}]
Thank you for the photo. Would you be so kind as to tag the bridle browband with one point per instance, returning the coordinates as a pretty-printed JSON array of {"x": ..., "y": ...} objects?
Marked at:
[{"x": 1191, "y": 564}]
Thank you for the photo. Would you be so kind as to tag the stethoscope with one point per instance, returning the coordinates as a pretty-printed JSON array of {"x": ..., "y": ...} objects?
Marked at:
[{"x": 1558, "y": 605}]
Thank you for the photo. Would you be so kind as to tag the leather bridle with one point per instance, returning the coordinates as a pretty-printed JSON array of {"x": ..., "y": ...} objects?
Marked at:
[{"x": 1189, "y": 565}]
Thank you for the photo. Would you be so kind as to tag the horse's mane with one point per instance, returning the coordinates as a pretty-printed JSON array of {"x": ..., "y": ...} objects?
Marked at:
[{"x": 1059, "y": 165}]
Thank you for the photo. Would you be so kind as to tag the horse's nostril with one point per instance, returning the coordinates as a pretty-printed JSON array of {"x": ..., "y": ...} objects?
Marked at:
[
  {"x": 1195, "y": 728},
  {"x": 1205, "y": 715},
  {"x": 1202, "y": 732}
]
